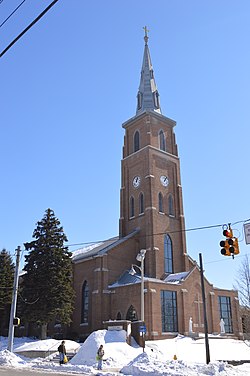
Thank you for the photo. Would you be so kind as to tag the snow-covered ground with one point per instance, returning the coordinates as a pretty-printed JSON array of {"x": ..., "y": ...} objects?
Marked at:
[{"x": 158, "y": 358}]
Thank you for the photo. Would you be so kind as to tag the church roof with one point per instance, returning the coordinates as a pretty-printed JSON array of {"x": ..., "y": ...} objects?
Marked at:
[
  {"x": 126, "y": 278},
  {"x": 148, "y": 96},
  {"x": 176, "y": 278},
  {"x": 99, "y": 248}
]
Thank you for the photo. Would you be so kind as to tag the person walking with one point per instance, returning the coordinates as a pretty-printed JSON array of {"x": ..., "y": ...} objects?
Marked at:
[
  {"x": 100, "y": 354},
  {"x": 62, "y": 352}
]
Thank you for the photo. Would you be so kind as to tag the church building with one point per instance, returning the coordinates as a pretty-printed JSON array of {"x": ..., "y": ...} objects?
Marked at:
[{"x": 145, "y": 272}]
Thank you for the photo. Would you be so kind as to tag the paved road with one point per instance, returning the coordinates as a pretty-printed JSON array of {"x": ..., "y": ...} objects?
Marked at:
[{"x": 5, "y": 371}]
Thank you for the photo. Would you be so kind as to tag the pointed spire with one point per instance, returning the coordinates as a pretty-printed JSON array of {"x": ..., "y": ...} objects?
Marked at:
[{"x": 148, "y": 96}]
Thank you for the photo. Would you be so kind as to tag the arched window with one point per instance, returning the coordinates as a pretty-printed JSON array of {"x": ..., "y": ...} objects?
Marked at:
[
  {"x": 119, "y": 316},
  {"x": 141, "y": 203},
  {"x": 132, "y": 314},
  {"x": 162, "y": 140},
  {"x": 160, "y": 203},
  {"x": 170, "y": 205},
  {"x": 168, "y": 255},
  {"x": 85, "y": 303},
  {"x": 136, "y": 141},
  {"x": 132, "y": 207}
]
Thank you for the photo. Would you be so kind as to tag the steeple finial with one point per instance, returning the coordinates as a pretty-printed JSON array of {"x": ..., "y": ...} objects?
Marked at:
[
  {"x": 146, "y": 34},
  {"x": 147, "y": 96}
]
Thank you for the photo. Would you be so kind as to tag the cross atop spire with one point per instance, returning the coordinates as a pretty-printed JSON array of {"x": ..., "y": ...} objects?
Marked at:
[
  {"x": 148, "y": 96},
  {"x": 146, "y": 34}
]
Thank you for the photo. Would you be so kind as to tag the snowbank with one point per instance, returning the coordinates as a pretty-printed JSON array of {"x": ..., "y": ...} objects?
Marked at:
[
  {"x": 130, "y": 360},
  {"x": 117, "y": 351}
]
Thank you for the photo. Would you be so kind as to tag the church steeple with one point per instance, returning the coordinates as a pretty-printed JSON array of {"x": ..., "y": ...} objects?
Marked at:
[{"x": 148, "y": 96}]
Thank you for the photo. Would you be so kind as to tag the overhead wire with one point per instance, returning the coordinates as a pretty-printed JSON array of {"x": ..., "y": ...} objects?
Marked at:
[
  {"x": 29, "y": 26},
  {"x": 156, "y": 234},
  {"x": 11, "y": 13},
  {"x": 162, "y": 233}
]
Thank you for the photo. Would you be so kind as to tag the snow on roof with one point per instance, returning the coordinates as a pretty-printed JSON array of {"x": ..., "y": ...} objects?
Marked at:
[
  {"x": 100, "y": 248},
  {"x": 176, "y": 278},
  {"x": 91, "y": 249},
  {"x": 85, "y": 249},
  {"x": 126, "y": 279}
]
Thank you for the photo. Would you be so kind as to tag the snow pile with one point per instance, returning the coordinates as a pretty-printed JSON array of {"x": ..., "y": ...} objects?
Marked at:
[
  {"x": 147, "y": 364},
  {"x": 47, "y": 345},
  {"x": 8, "y": 358},
  {"x": 156, "y": 360},
  {"x": 117, "y": 351}
]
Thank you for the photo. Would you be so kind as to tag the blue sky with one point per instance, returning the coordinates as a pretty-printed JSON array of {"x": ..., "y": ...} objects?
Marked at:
[{"x": 71, "y": 81}]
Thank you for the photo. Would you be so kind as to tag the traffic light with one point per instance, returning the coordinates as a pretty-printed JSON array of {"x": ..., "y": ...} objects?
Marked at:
[
  {"x": 228, "y": 233},
  {"x": 230, "y": 246},
  {"x": 16, "y": 321},
  {"x": 225, "y": 248},
  {"x": 234, "y": 246}
]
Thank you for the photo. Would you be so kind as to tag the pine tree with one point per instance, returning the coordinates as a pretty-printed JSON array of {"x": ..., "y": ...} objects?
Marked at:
[
  {"x": 47, "y": 284},
  {"x": 7, "y": 268}
]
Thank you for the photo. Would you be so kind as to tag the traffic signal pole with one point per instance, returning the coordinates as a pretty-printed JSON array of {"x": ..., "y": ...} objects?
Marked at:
[
  {"x": 204, "y": 310},
  {"x": 14, "y": 301}
]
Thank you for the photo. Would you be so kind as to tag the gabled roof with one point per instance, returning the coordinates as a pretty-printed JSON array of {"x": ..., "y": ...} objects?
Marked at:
[{"x": 99, "y": 248}]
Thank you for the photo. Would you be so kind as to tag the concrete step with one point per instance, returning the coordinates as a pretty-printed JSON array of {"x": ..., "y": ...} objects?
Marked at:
[{"x": 56, "y": 357}]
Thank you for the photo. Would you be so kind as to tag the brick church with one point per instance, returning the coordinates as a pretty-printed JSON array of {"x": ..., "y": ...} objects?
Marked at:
[{"x": 151, "y": 239}]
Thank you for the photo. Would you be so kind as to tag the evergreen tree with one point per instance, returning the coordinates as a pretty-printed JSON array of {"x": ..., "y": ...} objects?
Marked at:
[
  {"x": 47, "y": 284},
  {"x": 7, "y": 268}
]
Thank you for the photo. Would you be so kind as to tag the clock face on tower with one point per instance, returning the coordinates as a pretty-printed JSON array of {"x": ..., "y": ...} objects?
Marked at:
[
  {"x": 136, "y": 181},
  {"x": 164, "y": 180}
]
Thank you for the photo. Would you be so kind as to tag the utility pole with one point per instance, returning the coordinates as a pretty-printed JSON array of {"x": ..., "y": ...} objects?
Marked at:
[
  {"x": 14, "y": 301},
  {"x": 204, "y": 311}
]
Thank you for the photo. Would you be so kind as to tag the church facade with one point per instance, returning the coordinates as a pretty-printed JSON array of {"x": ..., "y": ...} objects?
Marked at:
[{"x": 151, "y": 239}]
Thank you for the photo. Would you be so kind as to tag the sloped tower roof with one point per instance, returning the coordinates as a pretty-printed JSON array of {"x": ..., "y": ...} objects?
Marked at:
[{"x": 148, "y": 96}]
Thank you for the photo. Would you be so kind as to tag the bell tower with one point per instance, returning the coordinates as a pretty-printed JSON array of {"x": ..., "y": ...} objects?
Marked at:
[{"x": 151, "y": 192}]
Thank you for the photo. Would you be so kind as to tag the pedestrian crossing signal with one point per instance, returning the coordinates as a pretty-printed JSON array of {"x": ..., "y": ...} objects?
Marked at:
[{"x": 16, "y": 321}]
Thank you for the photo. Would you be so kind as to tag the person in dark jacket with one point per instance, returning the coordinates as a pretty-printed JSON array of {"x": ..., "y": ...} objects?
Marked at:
[
  {"x": 100, "y": 354},
  {"x": 62, "y": 352}
]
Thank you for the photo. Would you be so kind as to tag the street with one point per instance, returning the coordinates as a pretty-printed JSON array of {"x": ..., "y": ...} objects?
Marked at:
[{"x": 7, "y": 371}]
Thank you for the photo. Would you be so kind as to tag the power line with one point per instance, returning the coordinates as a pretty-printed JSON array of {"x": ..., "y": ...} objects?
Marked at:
[
  {"x": 28, "y": 27},
  {"x": 12, "y": 13},
  {"x": 163, "y": 233},
  {"x": 224, "y": 259},
  {"x": 160, "y": 233}
]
